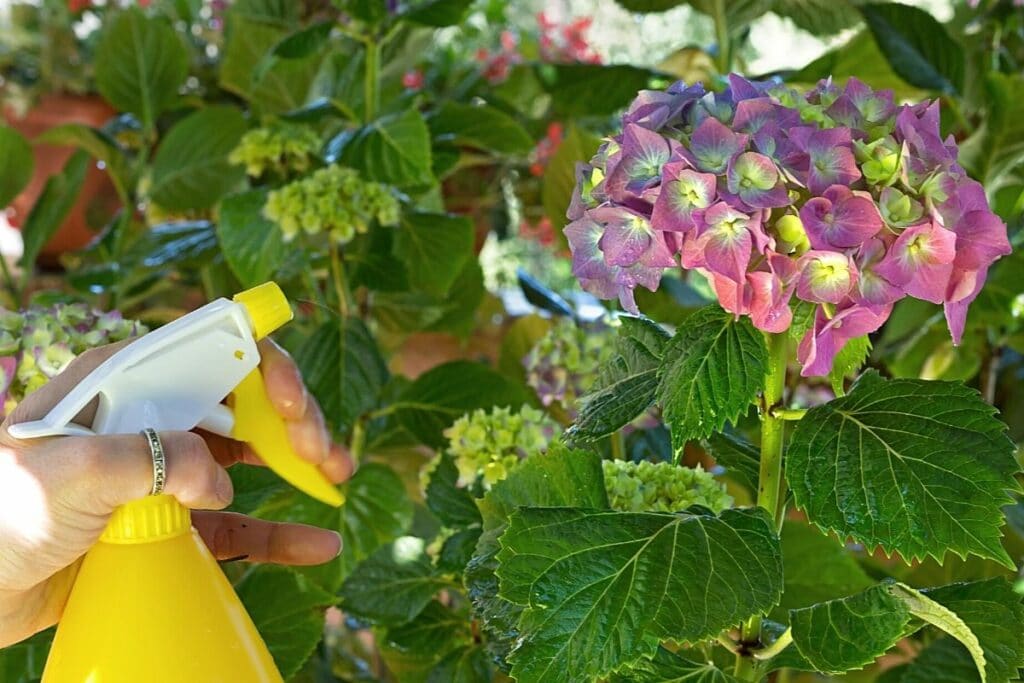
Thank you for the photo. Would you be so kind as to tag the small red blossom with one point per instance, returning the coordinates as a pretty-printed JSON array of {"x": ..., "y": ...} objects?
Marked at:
[
  {"x": 413, "y": 79},
  {"x": 545, "y": 149}
]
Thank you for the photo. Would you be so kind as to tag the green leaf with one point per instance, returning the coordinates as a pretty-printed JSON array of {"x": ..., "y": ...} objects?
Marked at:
[
  {"x": 394, "y": 149},
  {"x": 413, "y": 649},
  {"x": 859, "y": 57},
  {"x": 469, "y": 664},
  {"x": 714, "y": 368},
  {"x": 97, "y": 143},
  {"x": 434, "y": 248},
  {"x": 23, "y": 662},
  {"x": 650, "y": 5},
  {"x": 342, "y": 366},
  {"x": 482, "y": 127},
  {"x": 253, "y": 245},
  {"x": 182, "y": 245},
  {"x": 995, "y": 614},
  {"x": 58, "y": 196},
  {"x": 626, "y": 387},
  {"x": 304, "y": 42},
  {"x": 288, "y": 610},
  {"x": 668, "y": 667},
  {"x": 592, "y": 90},
  {"x": 191, "y": 169},
  {"x": 454, "y": 506},
  {"x": 996, "y": 148},
  {"x": 848, "y": 362},
  {"x": 943, "y": 618},
  {"x": 913, "y": 466},
  {"x": 602, "y": 588},
  {"x": 377, "y": 510},
  {"x": 850, "y": 633},
  {"x": 943, "y": 661},
  {"x": 140, "y": 64},
  {"x": 438, "y": 13},
  {"x": 562, "y": 478},
  {"x": 16, "y": 164},
  {"x": 393, "y": 585},
  {"x": 818, "y": 17},
  {"x": 441, "y": 395},
  {"x": 817, "y": 568},
  {"x": 917, "y": 46},
  {"x": 457, "y": 550},
  {"x": 740, "y": 458}
]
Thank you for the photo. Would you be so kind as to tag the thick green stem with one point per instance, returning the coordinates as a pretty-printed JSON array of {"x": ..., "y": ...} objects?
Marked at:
[
  {"x": 371, "y": 86},
  {"x": 745, "y": 669},
  {"x": 340, "y": 282},
  {"x": 724, "y": 58},
  {"x": 770, "y": 484}
]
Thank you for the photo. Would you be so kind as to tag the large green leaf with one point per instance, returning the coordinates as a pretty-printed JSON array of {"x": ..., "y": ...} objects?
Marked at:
[
  {"x": 483, "y": 127},
  {"x": 712, "y": 371},
  {"x": 441, "y": 395},
  {"x": 438, "y": 13},
  {"x": 140, "y": 63},
  {"x": 913, "y": 466},
  {"x": 819, "y": 17},
  {"x": 859, "y": 57},
  {"x": 468, "y": 664},
  {"x": 850, "y": 633},
  {"x": 740, "y": 458},
  {"x": 288, "y": 610},
  {"x": 377, "y": 510},
  {"x": 817, "y": 568},
  {"x": 559, "y": 181},
  {"x": 434, "y": 248},
  {"x": 602, "y": 588},
  {"x": 23, "y": 662},
  {"x": 580, "y": 90},
  {"x": 454, "y": 506},
  {"x": 58, "y": 196},
  {"x": 943, "y": 661},
  {"x": 97, "y": 143},
  {"x": 253, "y": 245},
  {"x": 996, "y": 148},
  {"x": 344, "y": 369},
  {"x": 414, "y": 648},
  {"x": 627, "y": 385},
  {"x": 394, "y": 584},
  {"x": 668, "y": 667},
  {"x": 191, "y": 169},
  {"x": 917, "y": 46},
  {"x": 561, "y": 478},
  {"x": 394, "y": 149},
  {"x": 995, "y": 614},
  {"x": 16, "y": 164}
]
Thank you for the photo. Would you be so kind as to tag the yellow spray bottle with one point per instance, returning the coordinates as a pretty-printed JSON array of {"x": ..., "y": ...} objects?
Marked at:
[{"x": 149, "y": 603}]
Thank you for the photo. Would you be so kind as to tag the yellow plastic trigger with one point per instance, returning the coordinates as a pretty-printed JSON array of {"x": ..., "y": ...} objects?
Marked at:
[{"x": 258, "y": 424}]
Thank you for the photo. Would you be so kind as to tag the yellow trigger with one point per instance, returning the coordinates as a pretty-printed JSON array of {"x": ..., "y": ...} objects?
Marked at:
[{"x": 258, "y": 424}]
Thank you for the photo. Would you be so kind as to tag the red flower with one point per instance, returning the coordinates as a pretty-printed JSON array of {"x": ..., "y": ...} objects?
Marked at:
[{"x": 413, "y": 79}]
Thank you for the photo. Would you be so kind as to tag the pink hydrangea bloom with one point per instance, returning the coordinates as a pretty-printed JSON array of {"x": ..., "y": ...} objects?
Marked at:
[{"x": 838, "y": 198}]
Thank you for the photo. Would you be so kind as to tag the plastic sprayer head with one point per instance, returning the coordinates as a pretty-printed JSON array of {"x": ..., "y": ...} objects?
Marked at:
[{"x": 267, "y": 307}]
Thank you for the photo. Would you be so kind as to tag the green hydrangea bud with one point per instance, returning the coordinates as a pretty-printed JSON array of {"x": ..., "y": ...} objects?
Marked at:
[
  {"x": 792, "y": 235},
  {"x": 487, "y": 445},
  {"x": 879, "y": 160},
  {"x": 333, "y": 201},
  {"x": 39, "y": 343},
  {"x": 281, "y": 147},
  {"x": 564, "y": 364},
  {"x": 661, "y": 487}
]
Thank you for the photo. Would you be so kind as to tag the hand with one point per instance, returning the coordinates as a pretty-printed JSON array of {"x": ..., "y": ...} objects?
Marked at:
[{"x": 57, "y": 494}]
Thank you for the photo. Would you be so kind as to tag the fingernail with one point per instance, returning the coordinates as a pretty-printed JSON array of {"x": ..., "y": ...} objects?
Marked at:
[
  {"x": 341, "y": 545},
  {"x": 225, "y": 489}
]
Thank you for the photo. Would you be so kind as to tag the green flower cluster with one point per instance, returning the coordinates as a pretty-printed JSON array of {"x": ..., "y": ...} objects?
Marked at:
[
  {"x": 661, "y": 487},
  {"x": 333, "y": 200},
  {"x": 488, "y": 445},
  {"x": 566, "y": 362},
  {"x": 37, "y": 344},
  {"x": 280, "y": 147}
]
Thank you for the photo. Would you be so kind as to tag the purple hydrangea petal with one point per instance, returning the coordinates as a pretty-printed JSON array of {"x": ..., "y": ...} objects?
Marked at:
[
  {"x": 684, "y": 195},
  {"x": 627, "y": 235},
  {"x": 831, "y": 159},
  {"x": 872, "y": 288},
  {"x": 643, "y": 154},
  {"x": 755, "y": 179},
  {"x": 726, "y": 241},
  {"x": 825, "y": 276},
  {"x": 713, "y": 145},
  {"x": 828, "y": 336},
  {"x": 920, "y": 261},
  {"x": 840, "y": 219}
]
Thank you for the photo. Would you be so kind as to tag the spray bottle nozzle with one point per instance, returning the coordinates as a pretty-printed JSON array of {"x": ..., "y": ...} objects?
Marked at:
[{"x": 267, "y": 307}]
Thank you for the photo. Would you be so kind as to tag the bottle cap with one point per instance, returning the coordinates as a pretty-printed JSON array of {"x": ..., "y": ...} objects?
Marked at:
[
  {"x": 267, "y": 307},
  {"x": 148, "y": 519}
]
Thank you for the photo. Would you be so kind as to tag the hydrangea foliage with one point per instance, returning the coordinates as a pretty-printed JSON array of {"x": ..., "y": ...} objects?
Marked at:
[
  {"x": 37, "y": 344},
  {"x": 487, "y": 445},
  {"x": 661, "y": 487},
  {"x": 333, "y": 201},
  {"x": 838, "y": 197}
]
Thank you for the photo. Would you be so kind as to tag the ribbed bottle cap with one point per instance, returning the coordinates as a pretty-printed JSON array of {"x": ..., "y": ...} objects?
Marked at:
[
  {"x": 267, "y": 307},
  {"x": 148, "y": 519}
]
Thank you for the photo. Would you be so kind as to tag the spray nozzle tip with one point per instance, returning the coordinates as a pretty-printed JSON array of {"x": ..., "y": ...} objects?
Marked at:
[{"x": 267, "y": 307}]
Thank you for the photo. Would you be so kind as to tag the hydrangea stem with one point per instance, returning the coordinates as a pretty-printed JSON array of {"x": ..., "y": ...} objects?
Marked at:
[
  {"x": 340, "y": 281},
  {"x": 371, "y": 85},
  {"x": 724, "y": 57},
  {"x": 770, "y": 485}
]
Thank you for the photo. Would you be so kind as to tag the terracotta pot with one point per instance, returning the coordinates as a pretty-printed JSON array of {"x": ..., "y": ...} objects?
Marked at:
[{"x": 97, "y": 201}]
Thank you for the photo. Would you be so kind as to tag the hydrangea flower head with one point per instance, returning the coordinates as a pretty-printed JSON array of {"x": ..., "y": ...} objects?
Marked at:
[
  {"x": 280, "y": 147},
  {"x": 837, "y": 197},
  {"x": 661, "y": 487},
  {"x": 566, "y": 362},
  {"x": 37, "y": 344}
]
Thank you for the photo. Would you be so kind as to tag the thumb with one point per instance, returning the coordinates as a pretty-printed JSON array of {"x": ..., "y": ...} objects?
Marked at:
[{"x": 109, "y": 471}]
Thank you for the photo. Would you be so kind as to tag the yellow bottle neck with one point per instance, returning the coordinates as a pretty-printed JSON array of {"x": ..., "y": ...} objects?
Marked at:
[{"x": 149, "y": 519}]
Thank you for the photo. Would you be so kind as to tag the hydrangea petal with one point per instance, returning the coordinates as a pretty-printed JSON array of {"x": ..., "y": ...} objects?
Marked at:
[
  {"x": 713, "y": 145},
  {"x": 643, "y": 154},
  {"x": 755, "y": 179},
  {"x": 683, "y": 196},
  {"x": 840, "y": 219},
  {"x": 920, "y": 261},
  {"x": 831, "y": 159},
  {"x": 828, "y": 336},
  {"x": 825, "y": 276}
]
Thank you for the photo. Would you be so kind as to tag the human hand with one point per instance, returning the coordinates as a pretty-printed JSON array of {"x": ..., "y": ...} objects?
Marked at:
[{"x": 57, "y": 494}]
